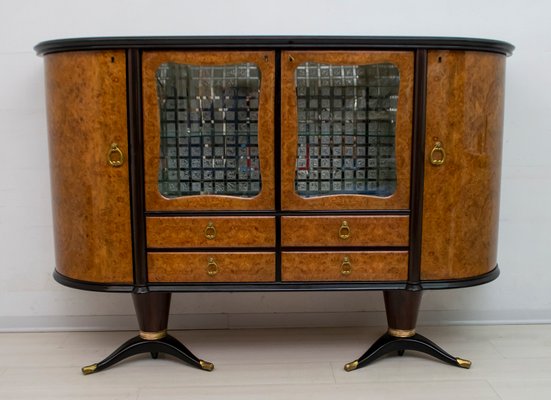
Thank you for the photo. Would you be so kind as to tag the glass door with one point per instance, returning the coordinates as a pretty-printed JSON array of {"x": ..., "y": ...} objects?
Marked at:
[
  {"x": 346, "y": 130},
  {"x": 208, "y": 130}
]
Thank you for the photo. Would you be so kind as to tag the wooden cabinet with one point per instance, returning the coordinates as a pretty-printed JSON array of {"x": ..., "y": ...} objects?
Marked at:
[{"x": 277, "y": 164}]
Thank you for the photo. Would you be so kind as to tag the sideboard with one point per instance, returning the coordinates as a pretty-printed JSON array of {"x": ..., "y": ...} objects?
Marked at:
[{"x": 207, "y": 164}]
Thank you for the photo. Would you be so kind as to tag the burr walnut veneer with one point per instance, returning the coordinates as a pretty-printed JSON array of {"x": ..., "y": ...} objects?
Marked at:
[{"x": 202, "y": 164}]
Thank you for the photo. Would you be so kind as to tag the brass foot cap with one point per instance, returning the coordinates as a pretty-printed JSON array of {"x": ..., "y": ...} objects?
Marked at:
[
  {"x": 207, "y": 366},
  {"x": 351, "y": 366},
  {"x": 463, "y": 363},
  {"x": 90, "y": 369}
]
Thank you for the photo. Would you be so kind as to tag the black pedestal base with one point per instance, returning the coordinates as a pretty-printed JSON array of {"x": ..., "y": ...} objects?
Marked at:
[
  {"x": 389, "y": 344},
  {"x": 138, "y": 345}
]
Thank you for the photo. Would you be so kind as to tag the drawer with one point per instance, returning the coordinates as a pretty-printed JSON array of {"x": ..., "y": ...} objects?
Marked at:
[
  {"x": 211, "y": 267},
  {"x": 174, "y": 232},
  {"x": 345, "y": 231},
  {"x": 345, "y": 266}
]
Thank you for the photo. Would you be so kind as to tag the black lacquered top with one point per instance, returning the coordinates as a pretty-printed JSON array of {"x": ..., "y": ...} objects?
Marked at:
[{"x": 275, "y": 42}]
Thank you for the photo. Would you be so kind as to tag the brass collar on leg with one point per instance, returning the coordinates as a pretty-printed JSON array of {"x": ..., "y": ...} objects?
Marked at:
[
  {"x": 401, "y": 333},
  {"x": 153, "y": 335}
]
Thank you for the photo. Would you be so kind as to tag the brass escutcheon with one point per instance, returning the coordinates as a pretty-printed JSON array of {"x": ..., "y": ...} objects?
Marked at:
[
  {"x": 119, "y": 159},
  {"x": 210, "y": 231},
  {"x": 346, "y": 266},
  {"x": 344, "y": 230},
  {"x": 437, "y": 150},
  {"x": 212, "y": 267}
]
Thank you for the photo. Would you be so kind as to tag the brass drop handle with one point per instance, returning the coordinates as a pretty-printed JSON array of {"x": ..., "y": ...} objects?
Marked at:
[
  {"x": 438, "y": 154},
  {"x": 212, "y": 267},
  {"x": 115, "y": 157},
  {"x": 346, "y": 266},
  {"x": 210, "y": 231},
  {"x": 344, "y": 230}
]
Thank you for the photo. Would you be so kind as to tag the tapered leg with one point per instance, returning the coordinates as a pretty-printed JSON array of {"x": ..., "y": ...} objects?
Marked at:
[
  {"x": 402, "y": 308},
  {"x": 152, "y": 312}
]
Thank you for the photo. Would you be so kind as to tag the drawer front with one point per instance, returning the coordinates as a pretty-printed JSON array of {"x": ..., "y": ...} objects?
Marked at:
[
  {"x": 174, "y": 232},
  {"x": 211, "y": 267},
  {"x": 345, "y": 231},
  {"x": 345, "y": 266}
]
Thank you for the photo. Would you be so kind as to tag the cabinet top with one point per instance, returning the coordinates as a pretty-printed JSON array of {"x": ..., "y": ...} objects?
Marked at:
[{"x": 274, "y": 42}]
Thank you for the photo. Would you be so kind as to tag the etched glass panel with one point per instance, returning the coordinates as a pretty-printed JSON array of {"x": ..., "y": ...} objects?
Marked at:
[
  {"x": 346, "y": 129},
  {"x": 209, "y": 130}
]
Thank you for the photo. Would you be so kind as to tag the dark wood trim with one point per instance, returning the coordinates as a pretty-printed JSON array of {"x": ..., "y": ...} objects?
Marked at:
[
  {"x": 235, "y": 249},
  {"x": 275, "y": 42},
  {"x": 135, "y": 159},
  {"x": 279, "y": 213},
  {"x": 460, "y": 283},
  {"x": 272, "y": 249},
  {"x": 92, "y": 286},
  {"x": 278, "y": 287},
  {"x": 277, "y": 162},
  {"x": 417, "y": 168},
  {"x": 344, "y": 248}
]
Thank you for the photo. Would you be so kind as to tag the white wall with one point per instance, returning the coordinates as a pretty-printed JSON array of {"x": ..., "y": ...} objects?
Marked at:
[{"x": 30, "y": 299}]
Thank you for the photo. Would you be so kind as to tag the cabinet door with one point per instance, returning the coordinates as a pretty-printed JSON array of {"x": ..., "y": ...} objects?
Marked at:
[
  {"x": 346, "y": 130},
  {"x": 86, "y": 101},
  {"x": 463, "y": 163},
  {"x": 208, "y": 130}
]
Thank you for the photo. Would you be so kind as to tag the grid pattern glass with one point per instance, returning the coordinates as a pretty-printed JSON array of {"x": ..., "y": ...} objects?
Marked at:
[
  {"x": 209, "y": 130},
  {"x": 346, "y": 129}
]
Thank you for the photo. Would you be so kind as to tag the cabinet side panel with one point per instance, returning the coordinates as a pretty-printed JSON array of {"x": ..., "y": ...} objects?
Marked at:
[
  {"x": 86, "y": 106},
  {"x": 461, "y": 196}
]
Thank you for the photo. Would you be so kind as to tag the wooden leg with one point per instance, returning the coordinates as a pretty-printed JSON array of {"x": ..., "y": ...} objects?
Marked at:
[
  {"x": 402, "y": 308},
  {"x": 152, "y": 311}
]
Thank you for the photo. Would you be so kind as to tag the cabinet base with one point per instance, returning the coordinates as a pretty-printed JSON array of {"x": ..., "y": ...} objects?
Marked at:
[
  {"x": 138, "y": 345},
  {"x": 274, "y": 287},
  {"x": 152, "y": 313},
  {"x": 388, "y": 344},
  {"x": 402, "y": 308}
]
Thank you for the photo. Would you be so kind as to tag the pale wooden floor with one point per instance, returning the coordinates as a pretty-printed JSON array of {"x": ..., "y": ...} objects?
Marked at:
[{"x": 509, "y": 362}]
